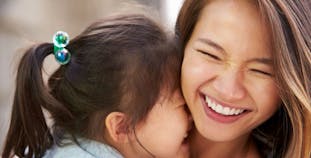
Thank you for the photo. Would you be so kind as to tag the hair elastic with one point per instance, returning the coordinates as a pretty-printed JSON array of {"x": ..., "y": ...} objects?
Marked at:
[{"x": 60, "y": 41}]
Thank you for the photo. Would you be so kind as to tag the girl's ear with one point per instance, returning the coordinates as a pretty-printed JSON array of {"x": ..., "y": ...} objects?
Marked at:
[{"x": 116, "y": 127}]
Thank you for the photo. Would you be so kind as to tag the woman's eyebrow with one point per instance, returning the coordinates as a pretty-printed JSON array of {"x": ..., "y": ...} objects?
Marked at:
[
  {"x": 263, "y": 60},
  {"x": 211, "y": 43}
]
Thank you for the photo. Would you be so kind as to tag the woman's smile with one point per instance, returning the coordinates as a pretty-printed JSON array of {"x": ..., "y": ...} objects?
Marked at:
[{"x": 221, "y": 112}]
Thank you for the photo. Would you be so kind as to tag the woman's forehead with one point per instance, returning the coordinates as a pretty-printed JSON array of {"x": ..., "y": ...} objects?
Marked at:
[{"x": 232, "y": 28}]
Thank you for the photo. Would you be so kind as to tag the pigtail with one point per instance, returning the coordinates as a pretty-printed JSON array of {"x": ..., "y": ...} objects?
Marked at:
[{"x": 28, "y": 135}]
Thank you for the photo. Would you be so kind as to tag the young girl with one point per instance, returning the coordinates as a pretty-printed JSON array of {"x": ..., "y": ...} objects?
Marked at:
[{"x": 116, "y": 94}]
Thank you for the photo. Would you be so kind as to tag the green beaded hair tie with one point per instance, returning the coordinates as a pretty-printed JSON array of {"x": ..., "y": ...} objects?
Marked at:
[{"x": 60, "y": 41}]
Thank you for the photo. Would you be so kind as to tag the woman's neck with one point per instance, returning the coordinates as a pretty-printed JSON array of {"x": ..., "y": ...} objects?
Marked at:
[{"x": 241, "y": 147}]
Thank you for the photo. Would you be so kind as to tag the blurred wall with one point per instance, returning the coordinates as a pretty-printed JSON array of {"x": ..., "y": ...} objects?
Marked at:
[{"x": 23, "y": 22}]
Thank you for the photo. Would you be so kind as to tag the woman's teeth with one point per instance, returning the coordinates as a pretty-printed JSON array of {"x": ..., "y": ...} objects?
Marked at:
[{"x": 221, "y": 109}]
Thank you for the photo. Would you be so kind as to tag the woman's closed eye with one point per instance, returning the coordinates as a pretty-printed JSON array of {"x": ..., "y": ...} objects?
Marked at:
[
  {"x": 210, "y": 55},
  {"x": 262, "y": 72}
]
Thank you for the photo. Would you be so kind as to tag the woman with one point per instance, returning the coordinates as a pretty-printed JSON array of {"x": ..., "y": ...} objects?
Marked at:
[{"x": 246, "y": 77}]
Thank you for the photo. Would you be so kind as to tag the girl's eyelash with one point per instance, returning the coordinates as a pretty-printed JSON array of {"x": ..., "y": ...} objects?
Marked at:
[
  {"x": 210, "y": 55},
  {"x": 187, "y": 109}
]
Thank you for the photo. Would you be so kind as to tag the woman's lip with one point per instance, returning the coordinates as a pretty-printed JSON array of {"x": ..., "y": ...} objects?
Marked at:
[{"x": 219, "y": 117}]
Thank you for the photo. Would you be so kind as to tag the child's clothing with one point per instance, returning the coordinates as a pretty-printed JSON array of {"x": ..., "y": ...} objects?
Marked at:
[{"x": 85, "y": 149}]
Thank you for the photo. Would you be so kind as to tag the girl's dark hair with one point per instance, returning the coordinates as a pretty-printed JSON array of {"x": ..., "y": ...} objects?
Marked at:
[{"x": 117, "y": 64}]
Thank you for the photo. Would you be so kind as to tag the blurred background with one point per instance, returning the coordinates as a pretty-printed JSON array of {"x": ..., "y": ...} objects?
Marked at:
[{"x": 24, "y": 22}]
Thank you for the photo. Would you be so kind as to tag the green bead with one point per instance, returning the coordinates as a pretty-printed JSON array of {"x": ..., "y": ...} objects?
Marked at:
[{"x": 61, "y": 39}]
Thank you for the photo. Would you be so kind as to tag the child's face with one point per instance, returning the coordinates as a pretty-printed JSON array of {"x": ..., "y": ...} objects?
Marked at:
[{"x": 164, "y": 131}]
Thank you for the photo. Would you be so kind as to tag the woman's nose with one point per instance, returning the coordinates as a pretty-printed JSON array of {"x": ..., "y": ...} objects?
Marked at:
[{"x": 229, "y": 85}]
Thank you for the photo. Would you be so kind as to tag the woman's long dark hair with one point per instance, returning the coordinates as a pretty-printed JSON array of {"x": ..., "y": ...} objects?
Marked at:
[{"x": 117, "y": 64}]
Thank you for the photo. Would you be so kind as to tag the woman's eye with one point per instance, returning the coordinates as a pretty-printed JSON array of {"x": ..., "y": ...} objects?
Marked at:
[
  {"x": 261, "y": 72},
  {"x": 209, "y": 55}
]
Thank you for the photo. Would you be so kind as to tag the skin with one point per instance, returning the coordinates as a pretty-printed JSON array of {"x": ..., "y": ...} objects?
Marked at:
[
  {"x": 165, "y": 128},
  {"x": 228, "y": 58}
]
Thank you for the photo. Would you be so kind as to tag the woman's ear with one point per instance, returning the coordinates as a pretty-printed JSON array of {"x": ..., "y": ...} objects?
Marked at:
[{"x": 116, "y": 127}]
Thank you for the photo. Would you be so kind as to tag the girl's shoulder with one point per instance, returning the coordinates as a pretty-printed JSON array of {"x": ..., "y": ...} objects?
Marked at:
[{"x": 83, "y": 149}]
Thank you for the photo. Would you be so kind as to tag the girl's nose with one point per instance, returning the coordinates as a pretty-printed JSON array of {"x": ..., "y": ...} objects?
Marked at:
[{"x": 190, "y": 122}]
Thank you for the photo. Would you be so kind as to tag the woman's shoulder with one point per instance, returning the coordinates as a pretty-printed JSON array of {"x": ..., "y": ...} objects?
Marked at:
[{"x": 83, "y": 148}]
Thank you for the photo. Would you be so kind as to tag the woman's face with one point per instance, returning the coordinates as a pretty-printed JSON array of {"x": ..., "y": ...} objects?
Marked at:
[{"x": 227, "y": 73}]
